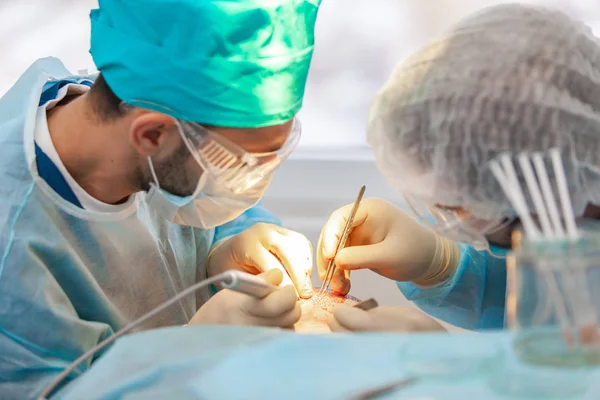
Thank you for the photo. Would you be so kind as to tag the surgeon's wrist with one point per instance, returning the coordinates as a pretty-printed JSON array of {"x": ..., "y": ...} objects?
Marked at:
[
  {"x": 443, "y": 266},
  {"x": 216, "y": 268},
  {"x": 217, "y": 245}
]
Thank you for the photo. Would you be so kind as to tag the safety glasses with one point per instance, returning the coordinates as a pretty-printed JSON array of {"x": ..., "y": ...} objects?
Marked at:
[
  {"x": 455, "y": 223},
  {"x": 230, "y": 165}
]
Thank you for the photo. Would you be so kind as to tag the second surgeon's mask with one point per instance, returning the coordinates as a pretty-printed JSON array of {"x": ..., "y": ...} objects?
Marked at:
[
  {"x": 455, "y": 224},
  {"x": 232, "y": 180}
]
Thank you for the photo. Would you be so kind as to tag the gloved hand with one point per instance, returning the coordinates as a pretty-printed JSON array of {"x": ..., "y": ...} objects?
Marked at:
[
  {"x": 264, "y": 247},
  {"x": 382, "y": 319},
  {"x": 278, "y": 309},
  {"x": 387, "y": 241}
]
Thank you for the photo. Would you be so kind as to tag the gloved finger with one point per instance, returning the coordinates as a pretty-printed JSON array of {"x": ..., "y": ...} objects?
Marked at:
[
  {"x": 334, "y": 227},
  {"x": 263, "y": 260},
  {"x": 287, "y": 320},
  {"x": 273, "y": 276},
  {"x": 273, "y": 305},
  {"x": 386, "y": 319},
  {"x": 350, "y": 303},
  {"x": 328, "y": 242},
  {"x": 340, "y": 283},
  {"x": 334, "y": 325},
  {"x": 295, "y": 253},
  {"x": 373, "y": 256},
  {"x": 354, "y": 319}
]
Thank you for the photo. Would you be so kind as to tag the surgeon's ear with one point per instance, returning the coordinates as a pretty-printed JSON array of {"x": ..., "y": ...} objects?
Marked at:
[{"x": 152, "y": 132}]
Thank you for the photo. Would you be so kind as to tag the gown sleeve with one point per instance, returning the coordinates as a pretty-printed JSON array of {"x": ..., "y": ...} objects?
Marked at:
[{"x": 473, "y": 298}]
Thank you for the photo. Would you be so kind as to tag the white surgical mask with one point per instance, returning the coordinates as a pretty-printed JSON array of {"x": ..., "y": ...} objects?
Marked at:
[{"x": 211, "y": 204}]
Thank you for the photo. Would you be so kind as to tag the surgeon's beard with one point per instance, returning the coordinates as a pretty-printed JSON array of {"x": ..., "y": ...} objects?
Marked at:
[{"x": 174, "y": 173}]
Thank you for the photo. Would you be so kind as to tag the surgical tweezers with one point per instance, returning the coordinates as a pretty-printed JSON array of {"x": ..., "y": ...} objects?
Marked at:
[{"x": 331, "y": 267}]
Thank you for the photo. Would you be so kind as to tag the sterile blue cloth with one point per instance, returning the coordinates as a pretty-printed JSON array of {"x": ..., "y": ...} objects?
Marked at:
[
  {"x": 255, "y": 363},
  {"x": 70, "y": 277},
  {"x": 473, "y": 298}
]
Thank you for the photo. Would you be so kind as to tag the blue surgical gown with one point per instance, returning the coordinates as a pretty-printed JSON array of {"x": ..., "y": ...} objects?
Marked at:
[
  {"x": 473, "y": 298},
  {"x": 71, "y": 277}
]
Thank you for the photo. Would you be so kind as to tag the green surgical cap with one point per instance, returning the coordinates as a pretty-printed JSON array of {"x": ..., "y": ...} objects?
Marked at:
[{"x": 232, "y": 63}]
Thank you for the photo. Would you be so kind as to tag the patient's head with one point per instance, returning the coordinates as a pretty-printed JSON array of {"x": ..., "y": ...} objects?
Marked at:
[{"x": 316, "y": 310}]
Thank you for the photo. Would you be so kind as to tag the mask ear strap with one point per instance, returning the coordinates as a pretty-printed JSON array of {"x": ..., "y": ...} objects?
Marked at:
[{"x": 153, "y": 172}]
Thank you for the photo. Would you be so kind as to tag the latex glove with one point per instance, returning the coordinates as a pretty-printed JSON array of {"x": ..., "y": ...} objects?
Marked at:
[
  {"x": 387, "y": 241},
  {"x": 382, "y": 319},
  {"x": 264, "y": 247},
  {"x": 278, "y": 309}
]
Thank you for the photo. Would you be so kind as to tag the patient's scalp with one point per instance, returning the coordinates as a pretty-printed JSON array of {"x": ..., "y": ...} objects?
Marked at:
[{"x": 316, "y": 310}]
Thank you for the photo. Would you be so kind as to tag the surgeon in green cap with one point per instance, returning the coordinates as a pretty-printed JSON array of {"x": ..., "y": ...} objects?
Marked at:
[{"x": 122, "y": 189}]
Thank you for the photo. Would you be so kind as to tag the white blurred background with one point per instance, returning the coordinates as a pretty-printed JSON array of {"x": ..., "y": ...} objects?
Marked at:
[{"x": 358, "y": 42}]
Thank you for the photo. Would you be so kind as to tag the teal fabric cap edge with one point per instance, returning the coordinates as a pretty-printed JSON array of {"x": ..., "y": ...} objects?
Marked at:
[{"x": 257, "y": 82}]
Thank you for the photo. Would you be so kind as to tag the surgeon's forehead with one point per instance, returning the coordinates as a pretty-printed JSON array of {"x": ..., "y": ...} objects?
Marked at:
[{"x": 256, "y": 140}]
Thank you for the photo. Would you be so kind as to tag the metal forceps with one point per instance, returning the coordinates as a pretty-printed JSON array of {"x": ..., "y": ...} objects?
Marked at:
[{"x": 331, "y": 267}]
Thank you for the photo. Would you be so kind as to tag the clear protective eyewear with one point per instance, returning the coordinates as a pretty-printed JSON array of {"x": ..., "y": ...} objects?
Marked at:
[
  {"x": 228, "y": 164},
  {"x": 455, "y": 223}
]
